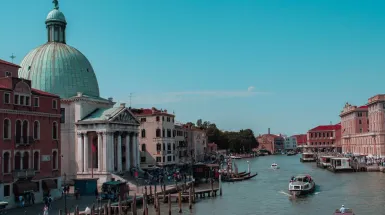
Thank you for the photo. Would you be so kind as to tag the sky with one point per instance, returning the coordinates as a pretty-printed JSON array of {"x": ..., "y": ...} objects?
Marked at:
[{"x": 284, "y": 65}]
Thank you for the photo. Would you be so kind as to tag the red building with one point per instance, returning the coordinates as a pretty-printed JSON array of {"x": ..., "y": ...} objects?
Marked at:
[
  {"x": 324, "y": 138},
  {"x": 30, "y": 138},
  {"x": 301, "y": 140},
  {"x": 270, "y": 142}
]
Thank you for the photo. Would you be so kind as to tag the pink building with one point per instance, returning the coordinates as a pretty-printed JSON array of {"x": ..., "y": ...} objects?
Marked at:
[
  {"x": 324, "y": 138},
  {"x": 30, "y": 138},
  {"x": 363, "y": 128},
  {"x": 301, "y": 140}
]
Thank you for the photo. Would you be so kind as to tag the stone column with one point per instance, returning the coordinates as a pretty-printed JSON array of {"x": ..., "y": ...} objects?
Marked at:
[
  {"x": 137, "y": 151},
  {"x": 119, "y": 152},
  {"x": 80, "y": 158},
  {"x": 134, "y": 150},
  {"x": 128, "y": 157},
  {"x": 105, "y": 152},
  {"x": 111, "y": 145},
  {"x": 100, "y": 152},
  {"x": 86, "y": 143}
]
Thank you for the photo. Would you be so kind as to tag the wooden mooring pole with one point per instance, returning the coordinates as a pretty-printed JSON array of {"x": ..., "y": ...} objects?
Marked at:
[
  {"x": 169, "y": 204},
  {"x": 190, "y": 198}
]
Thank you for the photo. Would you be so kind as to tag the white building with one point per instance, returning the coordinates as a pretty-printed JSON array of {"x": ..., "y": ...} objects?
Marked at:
[
  {"x": 290, "y": 143},
  {"x": 97, "y": 139}
]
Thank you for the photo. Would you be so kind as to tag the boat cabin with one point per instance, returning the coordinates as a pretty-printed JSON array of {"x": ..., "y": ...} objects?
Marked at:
[
  {"x": 300, "y": 182},
  {"x": 340, "y": 164},
  {"x": 325, "y": 161},
  {"x": 308, "y": 157},
  {"x": 113, "y": 189}
]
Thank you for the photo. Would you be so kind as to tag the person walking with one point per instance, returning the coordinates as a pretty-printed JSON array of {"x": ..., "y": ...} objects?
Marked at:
[{"x": 45, "y": 210}]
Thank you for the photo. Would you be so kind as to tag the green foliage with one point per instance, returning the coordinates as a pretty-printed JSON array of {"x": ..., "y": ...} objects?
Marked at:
[{"x": 238, "y": 142}]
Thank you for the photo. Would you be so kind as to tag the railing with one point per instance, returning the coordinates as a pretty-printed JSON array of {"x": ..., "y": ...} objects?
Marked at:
[
  {"x": 21, "y": 140},
  {"x": 24, "y": 173}
]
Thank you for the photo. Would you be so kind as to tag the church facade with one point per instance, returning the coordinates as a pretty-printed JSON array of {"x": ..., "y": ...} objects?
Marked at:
[{"x": 98, "y": 138}]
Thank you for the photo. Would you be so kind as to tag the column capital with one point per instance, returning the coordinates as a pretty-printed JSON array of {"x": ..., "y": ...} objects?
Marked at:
[{"x": 81, "y": 132}]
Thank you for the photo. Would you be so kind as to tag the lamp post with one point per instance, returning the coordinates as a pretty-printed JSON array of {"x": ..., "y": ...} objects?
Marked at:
[{"x": 248, "y": 166}]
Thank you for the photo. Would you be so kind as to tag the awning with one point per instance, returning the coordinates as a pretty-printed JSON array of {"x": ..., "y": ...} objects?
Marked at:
[
  {"x": 25, "y": 186},
  {"x": 49, "y": 184}
]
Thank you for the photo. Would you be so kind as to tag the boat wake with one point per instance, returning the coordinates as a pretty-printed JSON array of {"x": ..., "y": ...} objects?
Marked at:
[{"x": 284, "y": 193}]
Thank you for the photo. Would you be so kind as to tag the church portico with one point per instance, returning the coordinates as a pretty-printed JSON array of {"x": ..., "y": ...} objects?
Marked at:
[{"x": 107, "y": 144}]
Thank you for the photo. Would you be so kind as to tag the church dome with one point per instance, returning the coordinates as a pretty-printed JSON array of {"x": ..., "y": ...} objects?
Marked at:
[
  {"x": 59, "y": 69},
  {"x": 56, "y": 15},
  {"x": 56, "y": 67}
]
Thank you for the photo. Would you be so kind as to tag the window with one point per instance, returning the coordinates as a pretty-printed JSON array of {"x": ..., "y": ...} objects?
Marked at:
[
  {"x": 168, "y": 119},
  {"x": 359, "y": 122},
  {"x": 54, "y": 104},
  {"x": 164, "y": 146},
  {"x": 158, "y": 159},
  {"x": 163, "y": 133},
  {"x": 7, "y": 190},
  {"x": 7, "y": 98},
  {"x": 36, "y": 161},
  {"x": 38, "y": 185},
  {"x": 143, "y": 133},
  {"x": 169, "y": 158},
  {"x": 143, "y": 159},
  {"x": 36, "y": 130},
  {"x": 168, "y": 146},
  {"x": 173, "y": 146},
  {"x": 158, "y": 147},
  {"x": 6, "y": 163},
  {"x": 8, "y": 74},
  {"x": 162, "y": 118},
  {"x": 168, "y": 132},
  {"x": 158, "y": 132},
  {"x": 62, "y": 115},
  {"x": 36, "y": 101},
  {"x": 54, "y": 160},
  {"x": 164, "y": 159},
  {"x": 143, "y": 147},
  {"x": 25, "y": 130},
  {"x": 17, "y": 161},
  {"x": 143, "y": 119},
  {"x": 21, "y": 98},
  {"x": 54, "y": 131},
  {"x": 18, "y": 131},
  {"x": 173, "y": 158},
  {"x": 7, "y": 129},
  {"x": 16, "y": 99},
  {"x": 25, "y": 160},
  {"x": 27, "y": 101},
  {"x": 157, "y": 119}
]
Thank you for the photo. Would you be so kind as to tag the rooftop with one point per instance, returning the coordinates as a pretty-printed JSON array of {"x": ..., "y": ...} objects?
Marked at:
[
  {"x": 150, "y": 111},
  {"x": 327, "y": 127},
  {"x": 9, "y": 63}
]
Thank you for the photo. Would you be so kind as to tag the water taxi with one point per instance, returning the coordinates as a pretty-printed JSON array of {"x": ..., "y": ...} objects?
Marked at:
[
  {"x": 340, "y": 164},
  {"x": 274, "y": 166},
  {"x": 324, "y": 161},
  {"x": 301, "y": 185},
  {"x": 307, "y": 157}
]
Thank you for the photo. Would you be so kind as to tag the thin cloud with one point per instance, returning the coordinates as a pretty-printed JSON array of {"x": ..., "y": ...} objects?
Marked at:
[
  {"x": 251, "y": 88},
  {"x": 174, "y": 97}
]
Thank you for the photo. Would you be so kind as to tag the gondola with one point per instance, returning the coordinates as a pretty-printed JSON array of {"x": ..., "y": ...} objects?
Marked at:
[{"x": 227, "y": 179}]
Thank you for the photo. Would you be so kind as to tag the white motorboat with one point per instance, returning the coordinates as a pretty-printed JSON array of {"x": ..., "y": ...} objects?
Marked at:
[
  {"x": 274, "y": 166},
  {"x": 301, "y": 185},
  {"x": 234, "y": 157}
]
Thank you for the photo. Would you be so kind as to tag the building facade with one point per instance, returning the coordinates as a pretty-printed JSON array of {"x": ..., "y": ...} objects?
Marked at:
[
  {"x": 157, "y": 137},
  {"x": 363, "y": 128},
  {"x": 324, "y": 138},
  {"x": 30, "y": 149},
  {"x": 181, "y": 144},
  {"x": 98, "y": 139},
  {"x": 290, "y": 143},
  {"x": 270, "y": 142},
  {"x": 197, "y": 142},
  {"x": 301, "y": 140}
]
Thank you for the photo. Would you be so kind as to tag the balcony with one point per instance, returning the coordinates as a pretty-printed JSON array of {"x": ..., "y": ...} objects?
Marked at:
[
  {"x": 27, "y": 140},
  {"x": 24, "y": 173}
]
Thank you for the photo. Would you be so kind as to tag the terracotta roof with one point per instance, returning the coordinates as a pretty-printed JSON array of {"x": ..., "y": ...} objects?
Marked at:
[
  {"x": 363, "y": 107},
  {"x": 326, "y": 127},
  {"x": 8, "y": 63},
  {"x": 43, "y": 93},
  {"x": 149, "y": 111}
]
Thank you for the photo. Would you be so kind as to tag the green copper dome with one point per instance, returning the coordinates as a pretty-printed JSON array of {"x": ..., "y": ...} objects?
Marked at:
[
  {"x": 59, "y": 69},
  {"x": 56, "y": 67}
]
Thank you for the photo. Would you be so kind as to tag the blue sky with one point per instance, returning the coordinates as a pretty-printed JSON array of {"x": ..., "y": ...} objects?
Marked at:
[{"x": 287, "y": 65}]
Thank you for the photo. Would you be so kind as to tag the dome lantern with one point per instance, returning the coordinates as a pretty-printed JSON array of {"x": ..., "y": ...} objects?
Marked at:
[{"x": 56, "y": 24}]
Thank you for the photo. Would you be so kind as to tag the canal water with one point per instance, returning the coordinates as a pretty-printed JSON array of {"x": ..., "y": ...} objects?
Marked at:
[{"x": 267, "y": 193}]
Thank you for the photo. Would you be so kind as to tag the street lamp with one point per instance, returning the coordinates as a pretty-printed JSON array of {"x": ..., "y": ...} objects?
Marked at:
[{"x": 248, "y": 166}]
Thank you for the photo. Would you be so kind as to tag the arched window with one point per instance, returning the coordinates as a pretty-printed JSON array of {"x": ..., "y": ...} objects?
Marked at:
[
  {"x": 18, "y": 131},
  {"x": 143, "y": 147},
  {"x": 7, "y": 129},
  {"x": 54, "y": 160},
  {"x": 143, "y": 133},
  {"x": 36, "y": 130},
  {"x": 54, "y": 131},
  {"x": 36, "y": 161},
  {"x": 163, "y": 133},
  {"x": 6, "y": 163},
  {"x": 158, "y": 147},
  {"x": 158, "y": 132},
  {"x": 17, "y": 161},
  {"x": 26, "y": 160},
  {"x": 25, "y": 130},
  {"x": 157, "y": 118}
]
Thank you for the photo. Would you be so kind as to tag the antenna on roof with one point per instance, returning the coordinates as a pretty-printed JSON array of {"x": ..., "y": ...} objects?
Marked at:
[
  {"x": 130, "y": 99},
  {"x": 12, "y": 57}
]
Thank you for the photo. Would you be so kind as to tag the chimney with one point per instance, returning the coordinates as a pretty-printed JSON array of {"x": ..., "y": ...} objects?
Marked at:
[
  {"x": 268, "y": 131},
  {"x": 123, "y": 105}
]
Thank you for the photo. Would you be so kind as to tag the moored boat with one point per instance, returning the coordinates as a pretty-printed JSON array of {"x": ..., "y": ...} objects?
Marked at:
[
  {"x": 324, "y": 161},
  {"x": 291, "y": 153},
  {"x": 274, "y": 166},
  {"x": 301, "y": 185},
  {"x": 340, "y": 164},
  {"x": 235, "y": 157},
  {"x": 235, "y": 179},
  {"x": 308, "y": 157}
]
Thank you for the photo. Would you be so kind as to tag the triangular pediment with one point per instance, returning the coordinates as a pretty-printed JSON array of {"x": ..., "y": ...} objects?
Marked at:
[{"x": 125, "y": 116}]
